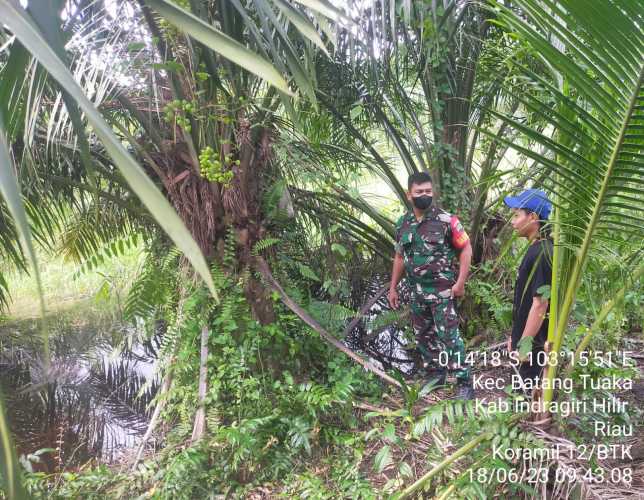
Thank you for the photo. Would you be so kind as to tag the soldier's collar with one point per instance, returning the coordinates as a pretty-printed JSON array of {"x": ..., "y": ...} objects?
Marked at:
[{"x": 431, "y": 213}]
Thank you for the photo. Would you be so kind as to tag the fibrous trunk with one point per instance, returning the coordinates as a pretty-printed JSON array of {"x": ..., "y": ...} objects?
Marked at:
[{"x": 212, "y": 210}]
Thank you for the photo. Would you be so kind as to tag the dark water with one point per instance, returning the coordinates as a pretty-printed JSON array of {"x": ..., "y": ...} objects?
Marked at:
[{"x": 92, "y": 403}]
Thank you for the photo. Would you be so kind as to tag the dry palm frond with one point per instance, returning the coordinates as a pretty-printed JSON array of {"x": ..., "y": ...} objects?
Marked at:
[{"x": 601, "y": 490}]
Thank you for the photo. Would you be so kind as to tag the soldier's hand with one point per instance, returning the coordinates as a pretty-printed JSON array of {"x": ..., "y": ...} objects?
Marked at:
[
  {"x": 458, "y": 290},
  {"x": 393, "y": 298}
]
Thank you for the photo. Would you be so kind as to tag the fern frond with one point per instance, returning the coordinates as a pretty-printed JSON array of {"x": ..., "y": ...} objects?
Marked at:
[
  {"x": 169, "y": 341},
  {"x": 152, "y": 288},
  {"x": 113, "y": 249},
  {"x": 141, "y": 299},
  {"x": 219, "y": 277},
  {"x": 169, "y": 261},
  {"x": 264, "y": 244},
  {"x": 230, "y": 249},
  {"x": 385, "y": 318},
  {"x": 213, "y": 418},
  {"x": 307, "y": 272},
  {"x": 456, "y": 412},
  {"x": 330, "y": 316},
  {"x": 91, "y": 229}
]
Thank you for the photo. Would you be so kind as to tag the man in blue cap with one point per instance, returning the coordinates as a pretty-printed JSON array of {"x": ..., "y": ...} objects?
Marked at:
[{"x": 529, "y": 314}]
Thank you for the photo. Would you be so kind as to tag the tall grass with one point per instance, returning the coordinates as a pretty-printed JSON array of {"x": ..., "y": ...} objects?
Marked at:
[{"x": 65, "y": 287}]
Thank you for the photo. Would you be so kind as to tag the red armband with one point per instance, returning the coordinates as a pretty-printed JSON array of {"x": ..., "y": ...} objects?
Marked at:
[{"x": 459, "y": 236}]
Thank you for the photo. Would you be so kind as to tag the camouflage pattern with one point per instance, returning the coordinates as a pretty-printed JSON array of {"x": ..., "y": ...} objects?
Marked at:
[
  {"x": 429, "y": 248},
  {"x": 428, "y": 251},
  {"x": 435, "y": 324}
]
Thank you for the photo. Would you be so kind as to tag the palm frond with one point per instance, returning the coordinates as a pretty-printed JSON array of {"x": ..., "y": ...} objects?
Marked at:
[
  {"x": 23, "y": 27},
  {"x": 595, "y": 58}
]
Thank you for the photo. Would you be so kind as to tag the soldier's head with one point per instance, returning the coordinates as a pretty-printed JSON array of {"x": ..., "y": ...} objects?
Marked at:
[
  {"x": 419, "y": 190},
  {"x": 531, "y": 211}
]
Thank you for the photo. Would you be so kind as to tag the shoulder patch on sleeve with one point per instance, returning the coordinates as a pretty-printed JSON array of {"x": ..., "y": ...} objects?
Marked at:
[{"x": 459, "y": 236}]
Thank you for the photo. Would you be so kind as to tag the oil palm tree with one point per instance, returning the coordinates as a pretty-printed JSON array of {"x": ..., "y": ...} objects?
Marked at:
[
  {"x": 424, "y": 76},
  {"x": 414, "y": 73},
  {"x": 207, "y": 121},
  {"x": 199, "y": 154}
]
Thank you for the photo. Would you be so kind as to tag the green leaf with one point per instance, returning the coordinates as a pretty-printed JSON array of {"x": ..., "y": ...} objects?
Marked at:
[
  {"x": 302, "y": 24},
  {"x": 336, "y": 247},
  {"x": 525, "y": 346},
  {"x": 290, "y": 56},
  {"x": 405, "y": 470},
  {"x": 373, "y": 432},
  {"x": 382, "y": 459},
  {"x": 326, "y": 9},
  {"x": 46, "y": 19},
  {"x": 173, "y": 66},
  {"x": 307, "y": 272},
  {"x": 389, "y": 433},
  {"x": 12, "y": 76},
  {"x": 135, "y": 46},
  {"x": 427, "y": 388},
  {"x": 220, "y": 43},
  {"x": 10, "y": 191},
  {"x": 9, "y": 468},
  {"x": 103, "y": 293},
  {"x": 420, "y": 427},
  {"x": 19, "y": 23},
  {"x": 544, "y": 291}
]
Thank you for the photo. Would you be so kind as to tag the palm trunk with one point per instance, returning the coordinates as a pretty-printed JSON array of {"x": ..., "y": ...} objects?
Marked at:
[{"x": 200, "y": 417}]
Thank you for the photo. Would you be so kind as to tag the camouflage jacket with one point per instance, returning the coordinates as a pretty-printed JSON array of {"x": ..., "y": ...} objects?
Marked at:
[{"x": 428, "y": 248}]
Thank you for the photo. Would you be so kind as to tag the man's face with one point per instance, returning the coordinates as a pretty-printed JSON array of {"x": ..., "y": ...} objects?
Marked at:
[
  {"x": 523, "y": 222},
  {"x": 424, "y": 189}
]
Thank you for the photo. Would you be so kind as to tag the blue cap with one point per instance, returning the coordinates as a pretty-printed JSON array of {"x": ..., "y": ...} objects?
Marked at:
[{"x": 534, "y": 200}]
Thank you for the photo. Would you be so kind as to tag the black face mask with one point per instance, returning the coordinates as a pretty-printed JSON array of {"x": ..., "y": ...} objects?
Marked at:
[{"x": 422, "y": 202}]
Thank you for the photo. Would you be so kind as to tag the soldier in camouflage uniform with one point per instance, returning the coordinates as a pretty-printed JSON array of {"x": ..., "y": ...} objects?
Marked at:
[{"x": 428, "y": 240}]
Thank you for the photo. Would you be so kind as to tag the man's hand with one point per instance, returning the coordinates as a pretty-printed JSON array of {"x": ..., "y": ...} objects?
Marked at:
[
  {"x": 393, "y": 298},
  {"x": 458, "y": 290},
  {"x": 464, "y": 260},
  {"x": 396, "y": 275}
]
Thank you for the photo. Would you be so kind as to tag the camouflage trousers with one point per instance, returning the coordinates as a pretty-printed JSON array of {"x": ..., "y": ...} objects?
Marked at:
[{"x": 435, "y": 324}]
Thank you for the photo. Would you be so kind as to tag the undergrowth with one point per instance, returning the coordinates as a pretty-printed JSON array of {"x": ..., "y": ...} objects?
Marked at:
[
  {"x": 277, "y": 398},
  {"x": 280, "y": 414}
]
